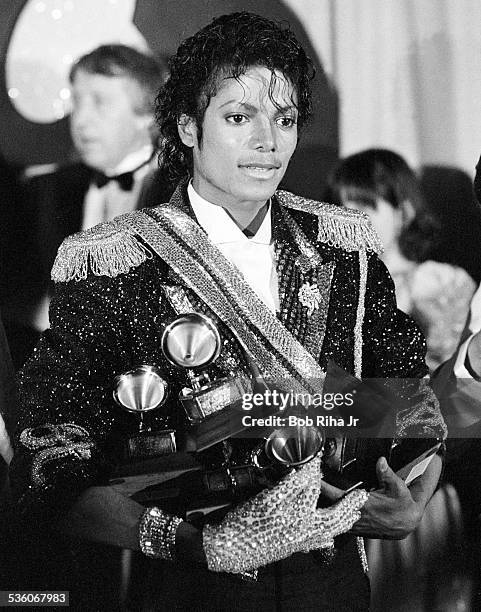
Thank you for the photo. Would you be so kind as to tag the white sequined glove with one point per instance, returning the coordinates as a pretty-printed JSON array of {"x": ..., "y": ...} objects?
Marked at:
[{"x": 279, "y": 522}]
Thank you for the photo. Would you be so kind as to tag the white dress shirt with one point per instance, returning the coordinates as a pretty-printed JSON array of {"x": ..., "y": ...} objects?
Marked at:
[
  {"x": 254, "y": 257},
  {"x": 105, "y": 203},
  {"x": 6, "y": 450},
  {"x": 460, "y": 370}
]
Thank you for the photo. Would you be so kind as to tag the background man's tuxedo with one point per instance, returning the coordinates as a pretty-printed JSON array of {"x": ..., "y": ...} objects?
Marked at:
[
  {"x": 58, "y": 199},
  {"x": 50, "y": 209}
]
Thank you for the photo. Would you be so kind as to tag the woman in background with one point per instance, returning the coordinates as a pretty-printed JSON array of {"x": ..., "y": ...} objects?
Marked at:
[
  {"x": 415, "y": 574},
  {"x": 437, "y": 295}
]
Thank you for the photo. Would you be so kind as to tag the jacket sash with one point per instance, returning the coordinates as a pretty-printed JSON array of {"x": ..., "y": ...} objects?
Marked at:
[{"x": 183, "y": 245}]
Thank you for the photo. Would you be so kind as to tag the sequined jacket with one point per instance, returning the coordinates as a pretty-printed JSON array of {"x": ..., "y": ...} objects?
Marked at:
[{"x": 105, "y": 324}]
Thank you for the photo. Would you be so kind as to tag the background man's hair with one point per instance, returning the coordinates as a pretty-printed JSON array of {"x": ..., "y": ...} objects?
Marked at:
[
  {"x": 227, "y": 47},
  {"x": 123, "y": 61}
]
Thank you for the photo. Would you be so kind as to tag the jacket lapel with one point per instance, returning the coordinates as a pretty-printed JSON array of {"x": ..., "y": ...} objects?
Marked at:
[{"x": 304, "y": 283}]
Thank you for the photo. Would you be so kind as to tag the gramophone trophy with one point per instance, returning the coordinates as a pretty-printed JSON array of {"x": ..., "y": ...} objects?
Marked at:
[
  {"x": 147, "y": 457},
  {"x": 192, "y": 342},
  {"x": 141, "y": 391},
  {"x": 213, "y": 413}
]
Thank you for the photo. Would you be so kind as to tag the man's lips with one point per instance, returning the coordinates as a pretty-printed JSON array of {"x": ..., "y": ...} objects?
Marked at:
[
  {"x": 261, "y": 165},
  {"x": 87, "y": 140}
]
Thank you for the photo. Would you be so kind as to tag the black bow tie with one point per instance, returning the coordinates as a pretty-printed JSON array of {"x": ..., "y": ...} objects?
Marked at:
[{"x": 125, "y": 180}]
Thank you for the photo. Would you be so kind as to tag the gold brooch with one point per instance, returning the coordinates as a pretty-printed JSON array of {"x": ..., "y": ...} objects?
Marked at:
[{"x": 310, "y": 297}]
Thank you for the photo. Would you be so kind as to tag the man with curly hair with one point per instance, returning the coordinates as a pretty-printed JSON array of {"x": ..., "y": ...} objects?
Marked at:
[{"x": 290, "y": 283}]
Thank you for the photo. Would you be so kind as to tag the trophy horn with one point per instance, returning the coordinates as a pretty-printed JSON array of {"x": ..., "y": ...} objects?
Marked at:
[
  {"x": 140, "y": 390},
  {"x": 191, "y": 341},
  {"x": 294, "y": 446}
]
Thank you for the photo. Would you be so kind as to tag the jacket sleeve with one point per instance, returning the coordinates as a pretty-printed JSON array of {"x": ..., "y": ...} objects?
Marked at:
[
  {"x": 99, "y": 329},
  {"x": 394, "y": 350}
]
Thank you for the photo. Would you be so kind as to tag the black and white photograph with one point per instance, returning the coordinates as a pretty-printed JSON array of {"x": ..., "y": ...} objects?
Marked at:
[{"x": 240, "y": 305}]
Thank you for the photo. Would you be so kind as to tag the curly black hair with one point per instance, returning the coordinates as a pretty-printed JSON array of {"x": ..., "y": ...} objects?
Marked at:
[{"x": 227, "y": 47}]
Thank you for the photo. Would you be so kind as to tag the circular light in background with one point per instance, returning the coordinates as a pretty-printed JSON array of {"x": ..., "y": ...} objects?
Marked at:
[{"x": 48, "y": 36}]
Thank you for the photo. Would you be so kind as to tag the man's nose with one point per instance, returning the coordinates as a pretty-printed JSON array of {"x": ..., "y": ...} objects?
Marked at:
[
  {"x": 264, "y": 135},
  {"x": 81, "y": 115}
]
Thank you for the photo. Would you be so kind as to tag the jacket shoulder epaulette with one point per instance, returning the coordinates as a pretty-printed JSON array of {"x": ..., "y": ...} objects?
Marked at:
[
  {"x": 340, "y": 227},
  {"x": 107, "y": 249}
]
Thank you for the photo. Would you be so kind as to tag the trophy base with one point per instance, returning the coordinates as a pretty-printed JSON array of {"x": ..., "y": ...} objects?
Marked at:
[
  {"x": 130, "y": 478},
  {"x": 354, "y": 461},
  {"x": 147, "y": 444},
  {"x": 187, "y": 489}
]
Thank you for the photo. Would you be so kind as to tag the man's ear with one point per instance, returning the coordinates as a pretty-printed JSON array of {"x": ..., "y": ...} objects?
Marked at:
[
  {"x": 145, "y": 122},
  {"x": 187, "y": 130},
  {"x": 408, "y": 211}
]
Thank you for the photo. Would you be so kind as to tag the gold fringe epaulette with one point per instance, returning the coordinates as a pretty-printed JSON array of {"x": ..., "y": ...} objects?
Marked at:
[
  {"x": 347, "y": 229},
  {"x": 108, "y": 249}
]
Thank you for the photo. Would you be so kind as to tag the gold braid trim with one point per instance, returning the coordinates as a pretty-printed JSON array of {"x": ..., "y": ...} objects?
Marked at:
[
  {"x": 363, "y": 265},
  {"x": 340, "y": 227},
  {"x": 107, "y": 249},
  {"x": 110, "y": 249},
  {"x": 361, "y": 549}
]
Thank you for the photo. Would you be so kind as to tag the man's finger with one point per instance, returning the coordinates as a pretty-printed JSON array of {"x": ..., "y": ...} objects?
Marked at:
[
  {"x": 388, "y": 480},
  {"x": 299, "y": 480},
  {"x": 330, "y": 492}
]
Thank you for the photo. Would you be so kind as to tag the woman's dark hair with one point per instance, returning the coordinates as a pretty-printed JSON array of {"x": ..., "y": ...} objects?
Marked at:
[
  {"x": 379, "y": 173},
  {"x": 227, "y": 47}
]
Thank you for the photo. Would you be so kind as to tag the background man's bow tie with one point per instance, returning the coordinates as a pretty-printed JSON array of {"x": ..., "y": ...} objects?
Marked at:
[{"x": 125, "y": 180}]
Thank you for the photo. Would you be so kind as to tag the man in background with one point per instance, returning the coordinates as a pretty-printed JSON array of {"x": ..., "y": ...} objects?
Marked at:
[{"x": 112, "y": 127}]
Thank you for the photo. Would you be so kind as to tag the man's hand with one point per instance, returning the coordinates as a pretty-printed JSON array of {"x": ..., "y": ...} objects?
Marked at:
[
  {"x": 393, "y": 510},
  {"x": 279, "y": 522}
]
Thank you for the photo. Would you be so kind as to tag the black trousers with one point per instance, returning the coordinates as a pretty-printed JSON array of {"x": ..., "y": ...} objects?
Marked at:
[
  {"x": 301, "y": 583},
  {"x": 92, "y": 575}
]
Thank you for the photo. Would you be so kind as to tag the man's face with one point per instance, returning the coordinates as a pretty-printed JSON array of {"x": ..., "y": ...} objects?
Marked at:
[
  {"x": 104, "y": 124},
  {"x": 247, "y": 140}
]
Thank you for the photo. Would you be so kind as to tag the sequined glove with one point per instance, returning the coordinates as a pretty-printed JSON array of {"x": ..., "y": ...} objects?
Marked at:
[{"x": 279, "y": 522}]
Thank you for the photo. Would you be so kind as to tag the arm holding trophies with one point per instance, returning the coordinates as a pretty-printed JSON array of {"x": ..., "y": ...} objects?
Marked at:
[
  {"x": 100, "y": 513},
  {"x": 271, "y": 526}
]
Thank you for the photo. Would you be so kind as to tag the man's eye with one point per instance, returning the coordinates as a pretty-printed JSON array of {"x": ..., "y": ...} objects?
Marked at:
[
  {"x": 100, "y": 101},
  {"x": 237, "y": 118},
  {"x": 286, "y": 122}
]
